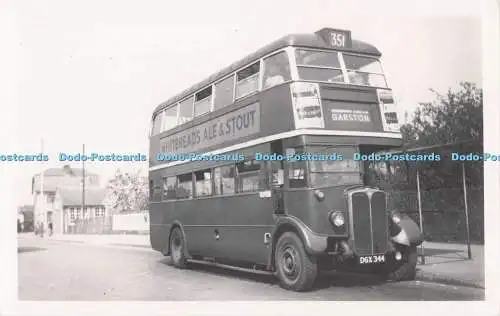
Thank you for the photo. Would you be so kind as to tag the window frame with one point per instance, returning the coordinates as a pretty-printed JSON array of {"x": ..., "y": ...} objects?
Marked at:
[
  {"x": 196, "y": 102},
  {"x": 343, "y": 68},
  {"x": 261, "y": 176},
  {"x": 195, "y": 182},
  {"x": 246, "y": 79},
  {"x": 284, "y": 51},
  {"x": 234, "y": 191},
  {"x": 164, "y": 196},
  {"x": 191, "y": 192},
  {"x": 179, "y": 109},
  {"x": 164, "y": 119}
]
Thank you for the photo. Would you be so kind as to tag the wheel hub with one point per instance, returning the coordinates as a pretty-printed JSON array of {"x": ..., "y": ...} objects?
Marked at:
[{"x": 289, "y": 263}]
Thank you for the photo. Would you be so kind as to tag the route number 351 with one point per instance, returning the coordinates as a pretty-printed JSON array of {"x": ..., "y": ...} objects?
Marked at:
[{"x": 337, "y": 39}]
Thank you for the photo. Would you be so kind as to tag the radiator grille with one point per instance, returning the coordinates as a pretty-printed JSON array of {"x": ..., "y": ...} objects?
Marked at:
[{"x": 370, "y": 223}]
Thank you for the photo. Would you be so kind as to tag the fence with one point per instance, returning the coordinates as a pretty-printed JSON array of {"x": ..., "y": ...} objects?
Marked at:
[
  {"x": 443, "y": 213},
  {"x": 130, "y": 223}
]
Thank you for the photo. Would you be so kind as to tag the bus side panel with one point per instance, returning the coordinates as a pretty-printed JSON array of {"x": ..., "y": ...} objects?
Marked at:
[
  {"x": 276, "y": 110},
  {"x": 304, "y": 205},
  {"x": 241, "y": 222},
  {"x": 159, "y": 226}
]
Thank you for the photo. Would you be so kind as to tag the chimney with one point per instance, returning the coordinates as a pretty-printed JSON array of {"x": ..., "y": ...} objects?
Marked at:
[{"x": 67, "y": 169}]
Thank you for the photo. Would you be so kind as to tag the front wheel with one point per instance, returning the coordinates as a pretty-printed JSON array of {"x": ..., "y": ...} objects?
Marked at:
[
  {"x": 177, "y": 247},
  {"x": 406, "y": 269},
  {"x": 296, "y": 269}
]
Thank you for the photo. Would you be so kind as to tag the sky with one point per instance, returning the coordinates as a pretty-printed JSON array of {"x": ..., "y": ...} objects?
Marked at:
[{"x": 92, "y": 72}]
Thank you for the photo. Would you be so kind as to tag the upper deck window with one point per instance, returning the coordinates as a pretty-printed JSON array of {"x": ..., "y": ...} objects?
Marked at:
[
  {"x": 276, "y": 70},
  {"x": 224, "y": 91},
  {"x": 319, "y": 66},
  {"x": 157, "y": 124},
  {"x": 247, "y": 80},
  {"x": 328, "y": 67},
  {"x": 186, "y": 110},
  {"x": 170, "y": 119},
  {"x": 203, "y": 101},
  {"x": 364, "y": 71}
]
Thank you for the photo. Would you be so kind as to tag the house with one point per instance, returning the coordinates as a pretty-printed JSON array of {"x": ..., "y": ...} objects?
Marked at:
[
  {"x": 71, "y": 201},
  {"x": 61, "y": 199}
]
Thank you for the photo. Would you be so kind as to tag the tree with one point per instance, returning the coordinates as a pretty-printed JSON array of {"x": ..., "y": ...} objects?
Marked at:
[
  {"x": 127, "y": 192},
  {"x": 456, "y": 116}
]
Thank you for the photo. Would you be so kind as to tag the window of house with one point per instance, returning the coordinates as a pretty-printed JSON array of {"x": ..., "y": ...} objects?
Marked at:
[
  {"x": 276, "y": 70},
  {"x": 51, "y": 197},
  {"x": 169, "y": 184},
  {"x": 184, "y": 186},
  {"x": 249, "y": 176},
  {"x": 224, "y": 180},
  {"x": 203, "y": 101},
  {"x": 203, "y": 183},
  {"x": 224, "y": 93},
  {"x": 247, "y": 80},
  {"x": 170, "y": 118},
  {"x": 72, "y": 213},
  {"x": 100, "y": 211},
  {"x": 186, "y": 110}
]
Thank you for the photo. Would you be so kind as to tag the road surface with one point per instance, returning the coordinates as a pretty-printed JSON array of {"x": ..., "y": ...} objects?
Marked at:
[{"x": 56, "y": 270}]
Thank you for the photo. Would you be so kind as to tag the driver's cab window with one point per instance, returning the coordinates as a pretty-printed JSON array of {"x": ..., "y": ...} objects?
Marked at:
[
  {"x": 296, "y": 168},
  {"x": 277, "y": 174}
]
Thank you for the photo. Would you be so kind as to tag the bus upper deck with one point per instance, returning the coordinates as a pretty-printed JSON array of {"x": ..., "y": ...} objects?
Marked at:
[{"x": 297, "y": 82}]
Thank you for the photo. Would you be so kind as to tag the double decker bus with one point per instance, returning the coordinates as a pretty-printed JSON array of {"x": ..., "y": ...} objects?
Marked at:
[{"x": 264, "y": 166}]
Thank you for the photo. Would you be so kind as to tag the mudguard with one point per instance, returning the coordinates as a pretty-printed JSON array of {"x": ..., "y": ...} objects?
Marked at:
[
  {"x": 410, "y": 232},
  {"x": 313, "y": 243}
]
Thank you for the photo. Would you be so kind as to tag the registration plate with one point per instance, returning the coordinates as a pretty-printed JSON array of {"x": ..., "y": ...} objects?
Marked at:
[{"x": 373, "y": 259}]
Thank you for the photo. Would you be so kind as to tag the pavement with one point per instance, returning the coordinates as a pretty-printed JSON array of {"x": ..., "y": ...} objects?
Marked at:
[
  {"x": 444, "y": 263},
  {"x": 77, "y": 271}
]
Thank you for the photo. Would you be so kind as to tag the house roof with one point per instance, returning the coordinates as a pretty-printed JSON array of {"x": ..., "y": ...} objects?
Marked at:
[
  {"x": 313, "y": 40},
  {"x": 26, "y": 208},
  {"x": 73, "y": 197},
  {"x": 60, "y": 178},
  {"x": 66, "y": 170}
]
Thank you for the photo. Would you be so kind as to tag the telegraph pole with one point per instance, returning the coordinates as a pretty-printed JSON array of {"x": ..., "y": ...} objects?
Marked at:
[
  {"x": 42, "y": 195},
  {"x": 83, "y": 181}
]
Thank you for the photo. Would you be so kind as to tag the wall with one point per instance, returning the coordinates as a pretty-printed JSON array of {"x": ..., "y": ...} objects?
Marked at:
[{"x": 131, "y": 222}]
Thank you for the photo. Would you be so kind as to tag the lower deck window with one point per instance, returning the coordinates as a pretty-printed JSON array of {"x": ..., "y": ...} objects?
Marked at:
[
  {"x": 184, "y": 186},
  {"x": 203, "y": 183},
  {"x": 224, "y": 180},
  {"x": 249, "y": 176}
]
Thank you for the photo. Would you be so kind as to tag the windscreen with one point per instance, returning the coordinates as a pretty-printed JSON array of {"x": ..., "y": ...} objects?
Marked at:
[{"x": 338, "y": 67}]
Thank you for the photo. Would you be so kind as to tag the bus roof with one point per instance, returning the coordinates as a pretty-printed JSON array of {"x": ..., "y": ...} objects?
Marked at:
[{"x": 313, "y": 40}]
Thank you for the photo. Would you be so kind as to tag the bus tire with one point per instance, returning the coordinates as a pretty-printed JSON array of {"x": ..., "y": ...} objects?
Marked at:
[
  {"x": 177, "y": 248},
  {"x": 406, "y": 270},
  {"x": 296, "y": 269}
]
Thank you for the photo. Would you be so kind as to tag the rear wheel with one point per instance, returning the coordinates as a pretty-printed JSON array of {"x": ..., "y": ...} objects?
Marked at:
[
  {"x": 406, "y": 269},
  {"x": 296, "y": 269},
  {"x": 177, "y": 248}
]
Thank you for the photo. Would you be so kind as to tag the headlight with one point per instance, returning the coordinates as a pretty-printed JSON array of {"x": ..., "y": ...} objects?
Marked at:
[
  {"x": 396, "y": 217},
  {"x": 337, "y": 218},
  {"x": 320, "y": 195}
]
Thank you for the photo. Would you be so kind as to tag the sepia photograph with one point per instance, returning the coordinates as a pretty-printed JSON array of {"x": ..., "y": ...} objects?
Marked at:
[{"x": 259, "y": 151}]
